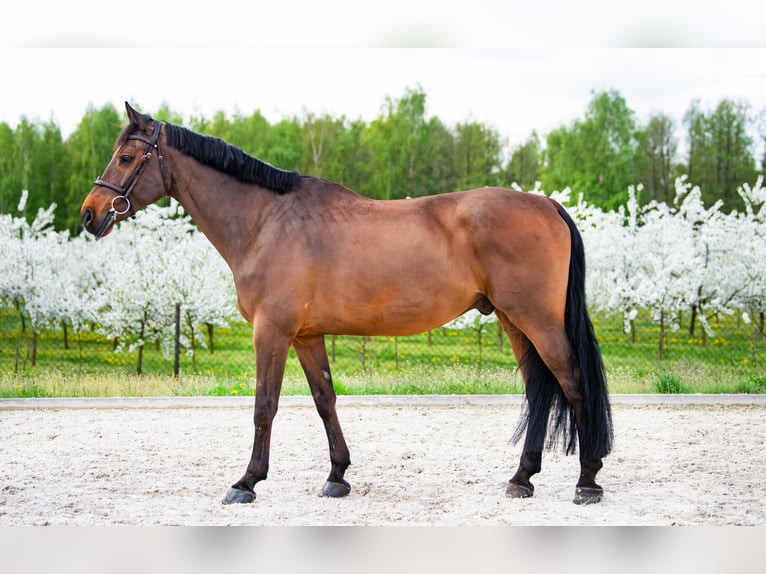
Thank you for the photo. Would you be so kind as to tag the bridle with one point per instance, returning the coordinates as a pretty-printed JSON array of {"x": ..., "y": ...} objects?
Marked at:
[{"x": 123, "y": 193}]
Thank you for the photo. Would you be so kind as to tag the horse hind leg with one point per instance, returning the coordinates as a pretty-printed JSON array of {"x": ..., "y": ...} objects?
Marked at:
[
  {"x": 554, "y": 412},
  {"x": 534, "y": 419},
  {"x": 312, "y": 355},
  {"x": 569, "y": 421}
]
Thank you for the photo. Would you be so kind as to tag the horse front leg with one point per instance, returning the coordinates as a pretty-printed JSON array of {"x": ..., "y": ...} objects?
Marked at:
[
  {"x": 270, "y": 359},
  {"x": 312, "y": 354}
]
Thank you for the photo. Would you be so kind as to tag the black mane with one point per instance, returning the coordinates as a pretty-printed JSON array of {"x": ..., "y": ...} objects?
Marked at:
[{"x": 229, "y": 159}]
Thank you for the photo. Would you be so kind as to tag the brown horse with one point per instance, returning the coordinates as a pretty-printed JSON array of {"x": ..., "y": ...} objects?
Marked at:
[{"x": 310, "y": 258}]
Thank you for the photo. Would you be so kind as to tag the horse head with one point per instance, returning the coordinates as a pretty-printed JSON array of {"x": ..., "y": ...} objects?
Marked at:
[{"x": 131, "y": 180}]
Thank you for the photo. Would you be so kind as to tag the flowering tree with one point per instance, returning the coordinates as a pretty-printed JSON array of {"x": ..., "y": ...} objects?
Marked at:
[
  {"x": 710, "y": 292},
  {"x": 749, "y": 239},
  {"x": 202, "y": 284},
  {"x": 150, "y": 265},
  {"x": 29, "y": 266},
  {"x": 610, "y": 238},
  {"x": 665, "y": 278},
  {"x": 673, "y": 258},
  {"x": 663, "y": 258}
]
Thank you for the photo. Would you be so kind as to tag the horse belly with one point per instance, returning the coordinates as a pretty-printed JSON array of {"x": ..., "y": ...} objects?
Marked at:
[{"x": 400, "y": 304}]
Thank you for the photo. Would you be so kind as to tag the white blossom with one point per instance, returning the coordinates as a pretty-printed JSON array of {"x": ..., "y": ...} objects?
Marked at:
[{"x": 656, "y": 257}]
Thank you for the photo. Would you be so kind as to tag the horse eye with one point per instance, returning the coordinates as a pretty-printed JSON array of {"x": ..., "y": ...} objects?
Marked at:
[{"x": 126, "y": 159}]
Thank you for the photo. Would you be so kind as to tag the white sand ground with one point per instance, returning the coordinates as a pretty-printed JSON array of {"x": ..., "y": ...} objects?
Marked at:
[{"x": 416, "y": 460}]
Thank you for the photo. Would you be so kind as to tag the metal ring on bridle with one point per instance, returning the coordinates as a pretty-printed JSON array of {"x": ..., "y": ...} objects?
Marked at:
[{"x": 127, "y": 206}]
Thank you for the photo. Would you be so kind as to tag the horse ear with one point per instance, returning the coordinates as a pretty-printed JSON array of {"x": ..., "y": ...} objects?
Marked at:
[
  {"x": 133, "y": 115},
  {"x": 136, "y": 117}
]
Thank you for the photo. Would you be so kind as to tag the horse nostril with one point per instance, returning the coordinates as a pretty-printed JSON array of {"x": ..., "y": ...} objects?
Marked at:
[{"x": 87, "y": 217}]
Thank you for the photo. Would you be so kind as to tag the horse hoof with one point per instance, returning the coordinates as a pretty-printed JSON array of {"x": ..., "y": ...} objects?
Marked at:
[
  {"x": 335, "y": 489},
  {"x": 237, "y": 496},
  {"x": 588, "y": 495},
  {"x": 519, "y": 490}
]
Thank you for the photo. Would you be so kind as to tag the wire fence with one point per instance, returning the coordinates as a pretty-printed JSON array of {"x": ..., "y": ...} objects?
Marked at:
[
  {"x": 227, "y": 353},
  {"x": 682, "y": 356}
]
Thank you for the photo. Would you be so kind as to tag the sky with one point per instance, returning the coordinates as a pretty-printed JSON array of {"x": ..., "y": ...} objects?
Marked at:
[
  {"x": 514, "y": 90},
  {"x": 514, "y": 65}
]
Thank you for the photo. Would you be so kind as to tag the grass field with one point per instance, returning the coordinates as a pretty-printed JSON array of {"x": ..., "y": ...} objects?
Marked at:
[{"x": 442, "y": 362}]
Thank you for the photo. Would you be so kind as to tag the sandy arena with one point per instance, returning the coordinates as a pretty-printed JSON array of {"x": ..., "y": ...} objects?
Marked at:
[{"x": 689, "y": 460}]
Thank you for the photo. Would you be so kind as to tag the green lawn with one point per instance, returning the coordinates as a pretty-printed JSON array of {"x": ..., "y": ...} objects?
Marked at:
[{"x": 442, "y": 362}]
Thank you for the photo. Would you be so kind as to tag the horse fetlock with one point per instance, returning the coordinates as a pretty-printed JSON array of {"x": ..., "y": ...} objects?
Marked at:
[{"x": 588, "y": 470}]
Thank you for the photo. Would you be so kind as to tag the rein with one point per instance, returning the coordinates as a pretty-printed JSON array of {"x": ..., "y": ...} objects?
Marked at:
[{"x": 124, "y": 192}]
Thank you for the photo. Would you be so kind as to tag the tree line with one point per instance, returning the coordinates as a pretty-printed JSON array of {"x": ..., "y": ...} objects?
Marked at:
[{"x": 405, "y": 152}]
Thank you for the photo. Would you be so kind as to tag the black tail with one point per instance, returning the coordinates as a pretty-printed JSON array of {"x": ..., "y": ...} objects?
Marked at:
[
  {"x": 543, "y": 394},
  {"x": 543, "y": 390}
]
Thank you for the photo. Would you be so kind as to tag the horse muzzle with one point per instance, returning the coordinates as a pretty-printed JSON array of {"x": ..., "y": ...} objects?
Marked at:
[
  {"x": 99, "y": 228},
  {"x": 119, "y": 205}
]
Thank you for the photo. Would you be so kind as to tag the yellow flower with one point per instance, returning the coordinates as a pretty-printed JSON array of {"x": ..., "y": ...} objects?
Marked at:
[{"x": 234, "y": 392}]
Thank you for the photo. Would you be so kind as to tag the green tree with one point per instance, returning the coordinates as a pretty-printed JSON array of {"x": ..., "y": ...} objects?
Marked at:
[
  {"x": 332, "y": 149},
  {"x": 734, "y": 158},
  {"x": 437, "y": 173},
  {"x": 608, "y": 133},
  {"x": 761, "y": 126},
  {"x": 720, "y": 150},
  {"x": 284, "y": 146},
  {"x": 397, "y": 140},
  {"x": 700, "y": 156},
  {"x": 597, "y": 155},
  {"x": 322, "y": 136},
  {"x": 21, "y": 166},
  {"x": 657, "y": 147},
  {"x": 564, "y": 159},
  {"x": 478, "y": 158},
  {"x": 53, "y": 167},
  {"x": 252, "y": 133},
  {"x": 523, "y": 168},
  {"x": 351, "y": 158},
  {"x": 10, "y": 183},
  {"x": 165, "y": 114},
  {"x": 221, "y": 126},
  {"x": 32, "y": 157}
]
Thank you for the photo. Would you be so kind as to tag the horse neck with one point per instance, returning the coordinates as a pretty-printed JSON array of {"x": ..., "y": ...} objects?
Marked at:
[{"x": 227, "y": 211}]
